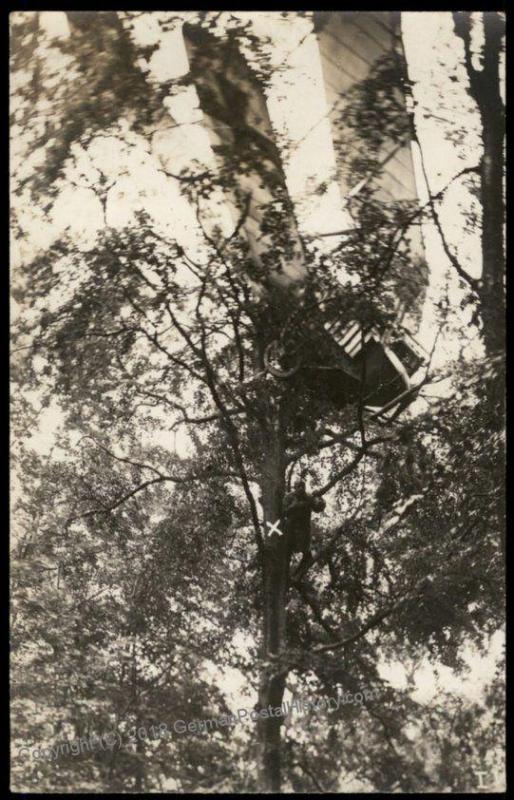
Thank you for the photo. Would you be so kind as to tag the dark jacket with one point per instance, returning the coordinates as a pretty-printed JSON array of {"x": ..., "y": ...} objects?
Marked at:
[{"x": 297, "y": 517}]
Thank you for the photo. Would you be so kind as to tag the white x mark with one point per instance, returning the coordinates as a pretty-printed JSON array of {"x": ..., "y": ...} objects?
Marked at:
[{"x": 274, "y": 528}]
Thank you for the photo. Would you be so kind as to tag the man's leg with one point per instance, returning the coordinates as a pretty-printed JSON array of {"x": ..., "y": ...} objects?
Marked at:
[{"x": 306, "y": 559}]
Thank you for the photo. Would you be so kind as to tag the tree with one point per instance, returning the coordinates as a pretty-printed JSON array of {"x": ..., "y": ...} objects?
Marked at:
[
  {"x": 484, "y": 88},
  {"x": 482, "y": 62},
  {"x": 98, "y": 643},
  {"x": 140, "y": 339}
]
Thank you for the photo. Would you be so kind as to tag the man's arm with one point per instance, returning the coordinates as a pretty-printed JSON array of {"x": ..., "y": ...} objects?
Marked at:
[{"x": 289, "y": 500}]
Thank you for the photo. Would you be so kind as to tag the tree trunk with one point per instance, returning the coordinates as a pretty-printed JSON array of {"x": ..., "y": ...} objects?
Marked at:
[
  {"x": 492, "y": 291},
  {"x": 139, "y": 776},
  {"x": 275, "y": 584},
  {"x": 484, "y": 87},
  {"x": 490, "y": 103}
]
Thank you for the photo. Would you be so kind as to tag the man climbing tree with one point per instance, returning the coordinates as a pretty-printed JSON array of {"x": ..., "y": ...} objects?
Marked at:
[{"x": 298, "y": 507}]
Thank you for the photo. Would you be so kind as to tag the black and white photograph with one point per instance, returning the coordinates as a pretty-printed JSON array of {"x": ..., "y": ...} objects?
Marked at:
[{"x": 257, "y": 401}]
